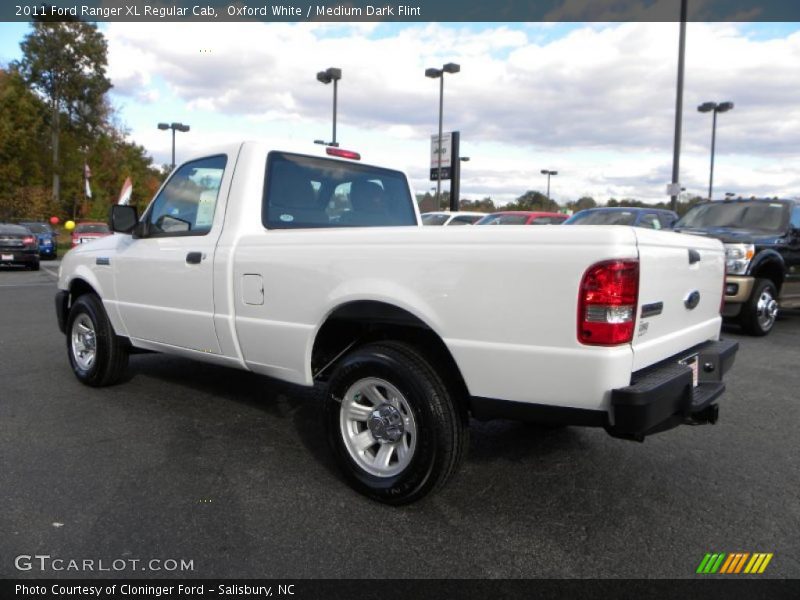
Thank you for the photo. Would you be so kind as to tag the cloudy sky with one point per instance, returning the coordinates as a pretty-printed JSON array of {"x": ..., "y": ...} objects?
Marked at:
[{"x": 593, "y": 101}]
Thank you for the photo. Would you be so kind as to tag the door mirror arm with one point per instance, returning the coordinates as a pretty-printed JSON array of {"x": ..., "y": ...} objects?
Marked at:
[{"x": 141, "y": 230}]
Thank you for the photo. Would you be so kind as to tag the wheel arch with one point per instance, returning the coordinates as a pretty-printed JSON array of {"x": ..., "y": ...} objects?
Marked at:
[
  {"x": 770, "y": 266},
  {"x": 76, "y": 288},
  {"x": 356, "y": 322}
]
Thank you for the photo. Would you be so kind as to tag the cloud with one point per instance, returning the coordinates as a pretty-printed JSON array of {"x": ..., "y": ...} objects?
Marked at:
[{"x": 607, "y": 89}]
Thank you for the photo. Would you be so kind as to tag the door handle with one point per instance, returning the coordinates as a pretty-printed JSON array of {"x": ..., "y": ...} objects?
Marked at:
[
  {"x": 194, "y": 258},
  {"x": 694, "y": 256}
]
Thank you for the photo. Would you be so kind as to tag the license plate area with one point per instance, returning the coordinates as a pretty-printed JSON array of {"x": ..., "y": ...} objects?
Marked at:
[
  {"x": 693, "y": 362},
  {"x": 7, "y": 257}
]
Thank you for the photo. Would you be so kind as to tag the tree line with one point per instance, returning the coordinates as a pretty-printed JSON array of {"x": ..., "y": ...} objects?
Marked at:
[
  {"x": 56, "y": 120},
  {"x": 537, "y": 201}
]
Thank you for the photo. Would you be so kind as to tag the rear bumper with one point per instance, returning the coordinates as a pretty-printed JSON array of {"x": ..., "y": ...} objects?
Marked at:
[
  {"x": 660, "y": 397},
  {"x": 19, "y": 257},
  {"x": 664, "y": 396}
]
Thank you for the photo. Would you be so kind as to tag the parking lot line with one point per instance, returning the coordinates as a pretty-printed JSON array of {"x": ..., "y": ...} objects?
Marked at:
[{"x": 23, "y": 285}]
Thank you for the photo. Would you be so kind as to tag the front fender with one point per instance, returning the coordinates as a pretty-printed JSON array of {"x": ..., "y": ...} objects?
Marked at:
[{"x": 768, "y": 259}]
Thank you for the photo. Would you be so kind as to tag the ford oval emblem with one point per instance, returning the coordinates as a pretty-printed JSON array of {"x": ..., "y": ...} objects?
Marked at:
[{"x": 692, "y": 300}]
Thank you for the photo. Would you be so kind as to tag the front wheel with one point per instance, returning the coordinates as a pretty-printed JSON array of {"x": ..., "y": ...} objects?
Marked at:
[
  {"x": 97, "y": 356},
  {"x": 761, "y": 309},
  {"x": 395, "y": 427}
]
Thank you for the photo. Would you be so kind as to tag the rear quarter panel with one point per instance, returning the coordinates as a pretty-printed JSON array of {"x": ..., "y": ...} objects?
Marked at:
[{"x": 504, "y": 300}]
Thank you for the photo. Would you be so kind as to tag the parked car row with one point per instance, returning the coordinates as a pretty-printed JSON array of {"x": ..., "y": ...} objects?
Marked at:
[
  {"x": 636, "y": 217},
  {"x": 27, "y": 242}
]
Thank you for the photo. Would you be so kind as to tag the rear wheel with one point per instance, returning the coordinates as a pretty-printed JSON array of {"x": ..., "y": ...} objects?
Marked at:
[
  {"x": 395, "y": 427},
  {"x": 761, "y": 309},
  {"x": 97, "y": 356}
]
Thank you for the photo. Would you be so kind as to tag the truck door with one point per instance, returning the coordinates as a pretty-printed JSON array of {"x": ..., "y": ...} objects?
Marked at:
[{"x": 164, "y": 279}]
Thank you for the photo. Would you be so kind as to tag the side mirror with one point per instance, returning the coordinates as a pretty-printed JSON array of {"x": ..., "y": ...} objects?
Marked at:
[{"x": 123, "y": 218}]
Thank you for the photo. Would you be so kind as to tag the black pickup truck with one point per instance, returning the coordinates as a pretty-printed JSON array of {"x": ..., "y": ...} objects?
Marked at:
[{"x": 762, "y": 254}]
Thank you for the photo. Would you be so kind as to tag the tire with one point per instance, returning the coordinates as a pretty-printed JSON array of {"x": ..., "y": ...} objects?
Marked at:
[
  {"x": 761, "y": 309},
  {"x": 35, "y": 266},
  {"x": 415, "y": 444},
  {"x": 97, "y": 356}
]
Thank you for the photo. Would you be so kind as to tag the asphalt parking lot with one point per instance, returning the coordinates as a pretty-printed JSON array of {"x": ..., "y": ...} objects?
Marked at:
[{"x": 231, "y": 471}]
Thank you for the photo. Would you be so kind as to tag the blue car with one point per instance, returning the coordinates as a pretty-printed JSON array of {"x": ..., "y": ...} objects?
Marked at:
[
  {"x": 48, "y": 247},
  {"x": 649, "y": 218}
]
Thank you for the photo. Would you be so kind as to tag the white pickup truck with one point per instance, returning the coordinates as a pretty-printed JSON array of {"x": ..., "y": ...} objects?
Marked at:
[{"x": 314, "y": 269}]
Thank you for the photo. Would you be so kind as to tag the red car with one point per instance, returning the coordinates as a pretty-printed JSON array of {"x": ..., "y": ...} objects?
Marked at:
[
  {"x": 523, "y": 217},
  {"x": 88, "y": 231}
]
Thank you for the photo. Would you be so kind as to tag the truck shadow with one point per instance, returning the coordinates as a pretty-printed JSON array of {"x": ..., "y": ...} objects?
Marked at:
[{"x": 291, "y": 406}]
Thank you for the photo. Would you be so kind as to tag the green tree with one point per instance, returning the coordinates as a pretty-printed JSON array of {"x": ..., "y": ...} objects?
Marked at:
[
  {"x": 22, "y": 135},
  {"x": 533, "y": 200},
  {"x": 65, "y": 62},
  {"x": 583, "y": 203},
  {"x": 485, "y": 205}
]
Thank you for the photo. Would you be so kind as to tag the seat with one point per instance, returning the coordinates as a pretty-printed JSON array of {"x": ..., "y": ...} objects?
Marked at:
[
  {"x": 292, "y": 199},
  {"x": 368, "y": 206}
]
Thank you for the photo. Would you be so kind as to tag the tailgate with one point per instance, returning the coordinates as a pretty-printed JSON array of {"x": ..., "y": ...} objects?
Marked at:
[{"x": 680, "y": 289}]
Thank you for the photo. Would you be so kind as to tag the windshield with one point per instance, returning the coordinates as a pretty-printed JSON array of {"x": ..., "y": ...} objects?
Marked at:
[
  {"x": 434, "y": 219},
  {"x": 92, "y": 228},
  {"x": 6, "y": 228},
  {"x": 603, "y": 217},
  {"x": 762, "y": 216},
  {"x": 503, "y": 220},
  {"x": 548, "y": 220}
]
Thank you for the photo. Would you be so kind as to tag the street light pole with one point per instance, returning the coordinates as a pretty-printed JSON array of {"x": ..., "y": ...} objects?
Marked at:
[
  {"x": 439, "y": 154},
  {"x": 433, "y": 74},
  {"x": 327, "y": 76},
  {"x": 715, "y": 108},
  {"x": 174, "y": 127},
  {"x": 676, "y": 147},
  {"x": 548, "y": 173}
]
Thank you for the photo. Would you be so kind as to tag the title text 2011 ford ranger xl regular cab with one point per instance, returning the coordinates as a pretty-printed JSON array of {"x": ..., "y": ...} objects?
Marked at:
[{"x": 314, "y": 269}]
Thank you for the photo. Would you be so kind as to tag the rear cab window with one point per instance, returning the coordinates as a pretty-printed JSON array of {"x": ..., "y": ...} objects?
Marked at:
[{"x": 309, "y": 192}]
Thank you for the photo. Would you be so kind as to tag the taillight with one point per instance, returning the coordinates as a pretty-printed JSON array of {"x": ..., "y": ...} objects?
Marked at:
[
  {"x": 607, "y": 303},
  {"x": 29, "y": 240}
]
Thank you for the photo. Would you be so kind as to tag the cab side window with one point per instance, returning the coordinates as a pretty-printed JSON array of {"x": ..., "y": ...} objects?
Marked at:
[
  {"x": 667, "y": 221},
  {"x": 796, "y": 217},
  {"x": 187, "y": 203},
  {"x": 650, "y": 221}
]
